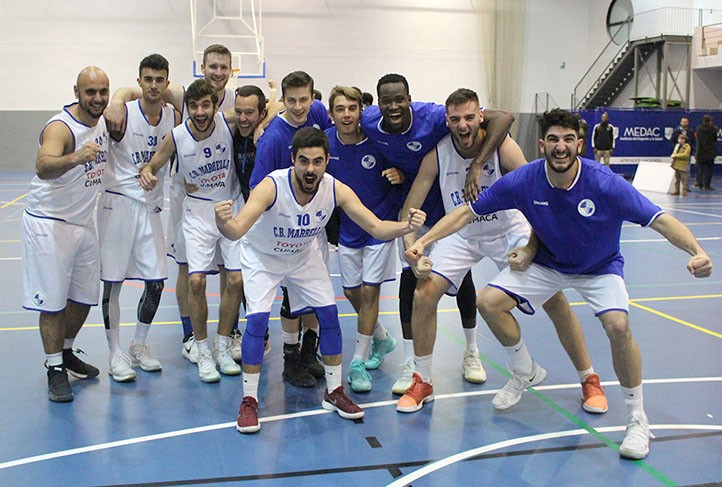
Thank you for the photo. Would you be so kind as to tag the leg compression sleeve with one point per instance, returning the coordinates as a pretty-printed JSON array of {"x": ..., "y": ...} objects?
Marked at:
[
  {"x": 252, "y": 344},
  {"x": 330, "y": 339},
  {"x": 466, "y": 301},
  {"x": 149, "y": 301}
]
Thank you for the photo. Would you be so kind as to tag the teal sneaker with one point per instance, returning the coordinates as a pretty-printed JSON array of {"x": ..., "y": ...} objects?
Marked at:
[
  {"x": 379, "y": 349},
  {"x": 359, "y": 379}
]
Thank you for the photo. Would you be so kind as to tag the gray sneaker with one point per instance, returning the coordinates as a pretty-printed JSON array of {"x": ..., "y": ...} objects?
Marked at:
[
  {"x": 59, "y": 385},
  {"x": 140, "y": 355},
  {"x": 511, "y": 393}
]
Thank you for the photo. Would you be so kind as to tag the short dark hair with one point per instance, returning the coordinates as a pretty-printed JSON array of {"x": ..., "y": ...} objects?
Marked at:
[
  {"x": 391, "y": 78},
  {"x": 156, "y": 62},
  {"x": 308, "y": 137},
  {"x": 218, "y": 49},
  {"x": 296, "y": 79},
  {"x": 198, "y": 89},
  {"x": 460, "y": 96},
  {"x": 558, "y": 118},
  {"x": 367, "y": 98},
  {"x": 250, "y": 90},
  {"x": 317, "y": 95},
  {"x": 707, "y": 119}
]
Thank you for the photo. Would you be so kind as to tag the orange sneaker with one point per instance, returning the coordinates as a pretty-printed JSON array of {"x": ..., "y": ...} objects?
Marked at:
[
  {"x": 416, "y": 395},
  {"x": 594, "y": 399}
]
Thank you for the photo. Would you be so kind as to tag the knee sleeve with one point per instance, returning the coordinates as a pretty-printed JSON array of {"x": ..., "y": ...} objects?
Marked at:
[
  {"x": 329, "y": 337},
  {"x": 252, "y": 344},
  {"x": 111, "y": 304},
  {"x": 466, "y": 301},
  {"x": 407, "y": 286},
  {"x": 286, "y": 306},
  {"x": 149, "y": 301}
]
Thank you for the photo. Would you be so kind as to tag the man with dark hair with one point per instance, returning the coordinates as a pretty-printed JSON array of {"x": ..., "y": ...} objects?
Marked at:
[
  {"x": 572, "y": 204},
  {"x": 404, "y": 131},
  {"x": 250, "y": 110},
  {"x": 132, "y": 245},
  {"x": 203, "y": 148},
  {"x": 278, "y": 226},
  {"x": 60, "y": 252},
  {"x": 494, "y": 235},
  {"x": 603, "y": 140},
  {"x": 300, "y": 364},
  {"x": 706, "y": 135}
]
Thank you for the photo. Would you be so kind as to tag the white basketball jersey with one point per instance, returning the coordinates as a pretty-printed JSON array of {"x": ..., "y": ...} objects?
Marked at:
[
  {"x": 452, "y": 176},
  {"x": 134, "y": 150},
  {"x": 71, "y": 197},
  {"x": 287, "y": 230},
  {"x": 207, "y": 163}
]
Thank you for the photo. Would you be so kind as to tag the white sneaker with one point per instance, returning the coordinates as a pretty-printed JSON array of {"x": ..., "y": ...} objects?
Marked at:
[
  {"x": 512, "y": 391},
  {"x": 207, "y": 367},
  {"x": 236, "y": 340},
  {"x": 120, "y": 368},
  {"x": 405, "y": 379},
  {"x": 471, "y": 365},
  {"x": 141, "y": 355},
  {"x": 224, "y": 359},
  {"x": 189, "y": 349},
  {"x": 636, "y": 440}
]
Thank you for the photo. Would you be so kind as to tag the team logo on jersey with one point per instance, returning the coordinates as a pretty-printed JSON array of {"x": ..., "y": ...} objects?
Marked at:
[
  {"x": 586, "y": 208},
  {"x": 320, "y": 216},
  {"x": 488, "y": 169},
  {"x": 368, "y": 161},
  {"x": 316, "y": 126},
  {"x": 414, "y": 145},
  {"x": 221, "y": 148},
  {"x": 39, "y": 299}
]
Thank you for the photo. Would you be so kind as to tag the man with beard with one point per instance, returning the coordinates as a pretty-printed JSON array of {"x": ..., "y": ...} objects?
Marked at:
[
  {"x": 493, "y": 235},
  {"x": 279, "y": 225},
  {"x": 603, "y": 140},
  {"x": 203, "y": 147},
  {"x": 576, "y": 208},
  {"x": 61, "y": 265}
]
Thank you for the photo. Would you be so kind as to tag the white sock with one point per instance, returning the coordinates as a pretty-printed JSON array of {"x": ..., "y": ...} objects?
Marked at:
[
  {"x": 113, "y": 336},
  {"x": 141, "y": 333},
  {"x": 333, "y": 377},
  {"x": 409, "y": 349},
  {"x": 470, "y": 335},
  {"x": 521, "y": 361},
  {"x": 289, "y": 338},
  {"x": 222, "y": 342},
  {"x": 68, "y": 343},
  {"x": 583, "y": 374},
  {"x": 202, "y": 346},
  {"x": 423, "y": 367},
  {"x": 363, "y": 344},
  {"x": 54, "y": 359},
  {"x": 250, "y": 384},
  {"x": 380, "y": 331},
  {"x": 634, "y": 400}
]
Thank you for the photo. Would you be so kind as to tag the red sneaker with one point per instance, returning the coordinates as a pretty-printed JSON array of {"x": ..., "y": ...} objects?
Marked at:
[
  {"x": 416, "y": 395},
  {"x": 594, "y": 399},
  {"x": 247, "y": 421},
  {"x": 338, "y": 401}
]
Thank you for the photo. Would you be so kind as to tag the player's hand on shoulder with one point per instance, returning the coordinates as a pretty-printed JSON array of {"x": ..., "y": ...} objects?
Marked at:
[
  {"x": 700, "y": 265},
  {"x": 471, "y": 185},
  {"x": 416, "y": 219}
]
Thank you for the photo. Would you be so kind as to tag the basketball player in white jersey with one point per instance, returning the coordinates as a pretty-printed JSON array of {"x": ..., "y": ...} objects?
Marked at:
[
  {"x": 216, "y": 69},
  {"x": 493, "y": 236},
  {"x": 286, "y": 211},
  {"x": 203, "y": 145},
  {"x": 132, "y": 243},
  {"x": 60, "y": 247}
]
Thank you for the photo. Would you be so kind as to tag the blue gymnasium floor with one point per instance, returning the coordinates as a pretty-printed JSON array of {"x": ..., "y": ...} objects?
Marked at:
[{"x": 168, "y": 428}]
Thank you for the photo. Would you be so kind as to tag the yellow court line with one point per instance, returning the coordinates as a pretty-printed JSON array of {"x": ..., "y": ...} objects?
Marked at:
[
  {"x": 677, "y": 320},
  {"x": 13, "y": 201}
]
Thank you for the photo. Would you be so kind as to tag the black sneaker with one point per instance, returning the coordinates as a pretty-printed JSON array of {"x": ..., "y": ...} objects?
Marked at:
[
  {"x": 77, "y": 367},
  {"x": 294, "y": 372},
  {"x": 59, "y": 385},
  {"x": 309, "y": 347}
]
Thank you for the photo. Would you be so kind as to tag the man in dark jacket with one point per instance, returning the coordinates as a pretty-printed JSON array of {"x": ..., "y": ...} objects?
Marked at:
[{"x": 706, "y": 135}]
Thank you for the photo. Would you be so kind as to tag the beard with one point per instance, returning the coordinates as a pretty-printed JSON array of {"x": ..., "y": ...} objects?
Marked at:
[
  {"x": 557, "y": 167},
  {"x": 302, "y": 184}
]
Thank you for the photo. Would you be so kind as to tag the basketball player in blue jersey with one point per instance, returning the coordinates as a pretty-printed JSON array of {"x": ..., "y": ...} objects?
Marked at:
[
  {"x": 365, "y": 262},
  {"x": 216, "y": 69},
  {"x": 493, "y": 236},
  {"x": 130, "y": 231},
  {"x": 404, "y": 131},
  {"x": 279, "y": 225},
  {"x": 576, "y": 208},
  {"x": 203, "y": 147},
  {"x": 300, "y": 365},
  {"x": 61, "y": 275}
]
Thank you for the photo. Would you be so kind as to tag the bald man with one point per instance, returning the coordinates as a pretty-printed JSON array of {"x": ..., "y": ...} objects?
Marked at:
[{"x": 61, "y": 265}]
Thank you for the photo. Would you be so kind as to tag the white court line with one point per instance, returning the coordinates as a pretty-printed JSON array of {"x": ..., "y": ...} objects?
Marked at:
[
  {"x": 679, "y": 210},
  {"x": 438, "y": 465},
  {"x": 10, "y": 258},
  {"x": 315, "y": 412},
  {"x": 648, "y": 240}
]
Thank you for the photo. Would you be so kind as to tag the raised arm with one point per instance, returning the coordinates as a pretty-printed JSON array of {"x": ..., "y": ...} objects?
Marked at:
[
  {"x": 115, "y": 112},
  {"x": 699, "y": 265},
  {"x": 428, "y": 172},
  {"x": 260, "y": 199},
  {"x": 451, "y": 223},
  {"x": 363, "y": 217},
  {"x": 148, "y": 180},
  {"x": 55, "y": 157},
  {"x": 497, "y": 124}
]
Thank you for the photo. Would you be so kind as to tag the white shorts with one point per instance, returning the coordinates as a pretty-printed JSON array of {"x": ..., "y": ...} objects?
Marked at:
[
  {"x": 202, "y": 237},
  {"x": 372, "y": 265},
  {"x": 533, "y": 287},
  {"x": 307, "y": 281},
  {"x": 452, "y": 257},
  {"x": 131, "y": 240},
  {"x": 175, "y": 241},
  {"x": 61, "y": 262}
]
